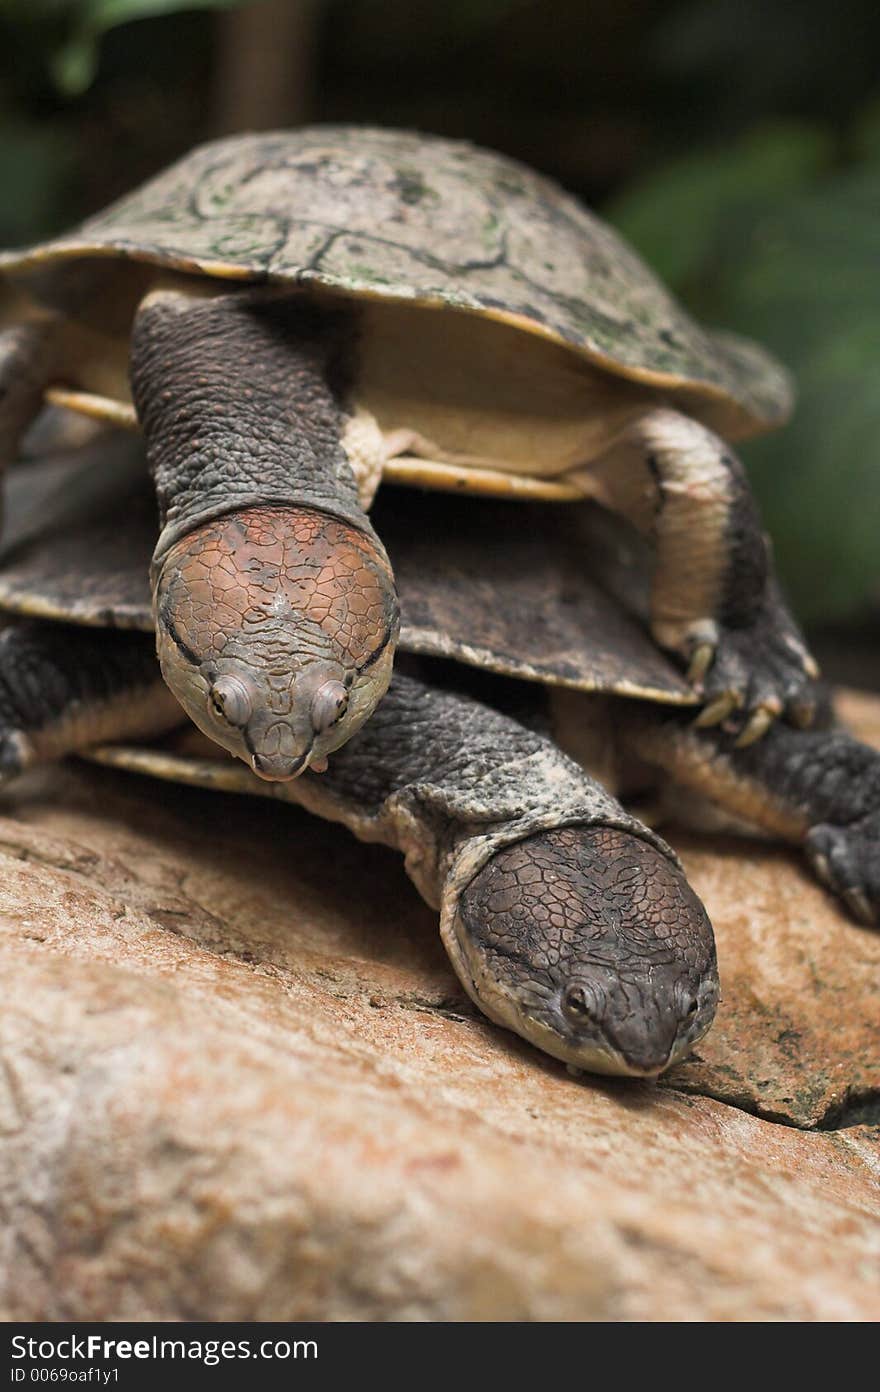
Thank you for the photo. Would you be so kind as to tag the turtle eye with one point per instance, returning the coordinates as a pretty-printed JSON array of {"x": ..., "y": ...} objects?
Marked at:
[
  {"x": 229, "y": 701},
  {"x": 329, "y": 704},
  {"x": 576, "y": 1005}
]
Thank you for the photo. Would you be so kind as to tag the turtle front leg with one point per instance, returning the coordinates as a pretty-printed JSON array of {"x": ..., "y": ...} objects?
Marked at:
[
  {"x": 64, "y": 688},
  {"x": 818, "y": 789},
  {"x": 276, "y": 612},
  {"x": 714, "y": 600}
]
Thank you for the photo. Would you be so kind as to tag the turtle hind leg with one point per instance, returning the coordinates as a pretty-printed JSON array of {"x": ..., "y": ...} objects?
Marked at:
[
  {"x": 816, "y": 788},
  {"x": 64, "y": 687},
  {"x": 714, "y": 600},
  {"x": 26, "y": 363}
]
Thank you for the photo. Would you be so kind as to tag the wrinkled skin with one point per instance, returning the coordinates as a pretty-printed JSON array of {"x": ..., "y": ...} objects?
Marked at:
[
  {"x": 275, "y": 606},
  {"x": 275, "y": 631},
  {"x": 590, "y": 944}
]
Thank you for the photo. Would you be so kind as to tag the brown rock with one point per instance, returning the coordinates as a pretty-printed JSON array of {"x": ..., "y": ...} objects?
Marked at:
[{"x": 240, "y": 1081}]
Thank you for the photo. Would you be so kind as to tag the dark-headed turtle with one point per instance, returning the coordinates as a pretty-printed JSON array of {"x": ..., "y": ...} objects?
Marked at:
[
  {"x": 291, "y": 317},
  {"x": 566, "y": 919}
]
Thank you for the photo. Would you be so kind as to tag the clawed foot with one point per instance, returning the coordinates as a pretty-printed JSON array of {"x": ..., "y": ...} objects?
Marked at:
[
  {"x": 847, "y": 861},
  {"x": 749, "y": 677}
]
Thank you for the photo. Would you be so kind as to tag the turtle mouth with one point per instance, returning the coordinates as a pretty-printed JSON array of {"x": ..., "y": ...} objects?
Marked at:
[
  {"x": 647, "y": 1060},
  {"x": 597, "y": 1054},
  {"x": 278, "y": 768},
  {"x": 645, "y": 1067}
]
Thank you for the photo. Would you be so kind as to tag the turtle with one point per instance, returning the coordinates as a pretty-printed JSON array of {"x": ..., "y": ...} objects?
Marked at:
[
  {"x": 567, "y": 919},
  {"x": 291, "y": 317}
]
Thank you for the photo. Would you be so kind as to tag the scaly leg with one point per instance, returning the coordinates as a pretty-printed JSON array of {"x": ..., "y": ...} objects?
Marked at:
[
  {"x": 714, "y": 601},
  {"x": 818, "y": 789},
  {"x": 63, "y": 687}
]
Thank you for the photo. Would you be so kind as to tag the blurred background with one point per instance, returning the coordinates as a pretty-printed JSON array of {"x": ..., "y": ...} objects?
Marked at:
[{"x": 736, "y": 143}]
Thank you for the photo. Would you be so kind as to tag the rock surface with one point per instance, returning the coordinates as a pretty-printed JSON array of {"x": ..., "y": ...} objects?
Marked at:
[{"x": 240, "y": 1081}]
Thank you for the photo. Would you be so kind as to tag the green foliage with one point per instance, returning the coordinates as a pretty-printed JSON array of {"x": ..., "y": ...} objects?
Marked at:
[
  {"x": 36, "y": 163},
  {"x": 765, "y": 237},
  {"x": 69, "y": 32},
  {"x": 867, "y": 132},
  {"x": 690, "y": 211},
  {"x": 745, "y": 57}
]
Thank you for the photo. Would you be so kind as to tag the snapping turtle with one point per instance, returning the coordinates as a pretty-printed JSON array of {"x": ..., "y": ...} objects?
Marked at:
[
  {"x": 291, "y": 317},
  {"x": 566, "y": 919}
]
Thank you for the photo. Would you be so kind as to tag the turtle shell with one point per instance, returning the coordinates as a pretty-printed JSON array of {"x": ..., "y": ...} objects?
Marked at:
[
  {"x": 398, "y": 216},
  {"x": 557, "y": 601}
]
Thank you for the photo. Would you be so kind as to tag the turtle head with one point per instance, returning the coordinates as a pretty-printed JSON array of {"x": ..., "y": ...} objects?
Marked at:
[
  {"x": 276, "y": 630},
  {"x": 590, "y": 943}
]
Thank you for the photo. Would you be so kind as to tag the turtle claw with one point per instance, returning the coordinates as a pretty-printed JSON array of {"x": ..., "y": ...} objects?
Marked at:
[
  {"x": 756, "y": 726},
  {"x": 846, "y": 859},
  {"x": 754, "y": 674},
  {"x": 718, "y": 710},
  {"x": 857, "y": 903},
  {"x": 821, "y": 868},
  {"x": 701, "y": 661},
  {"x": 16, "y": 753},
  {"x": 811, "y": 666}
]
